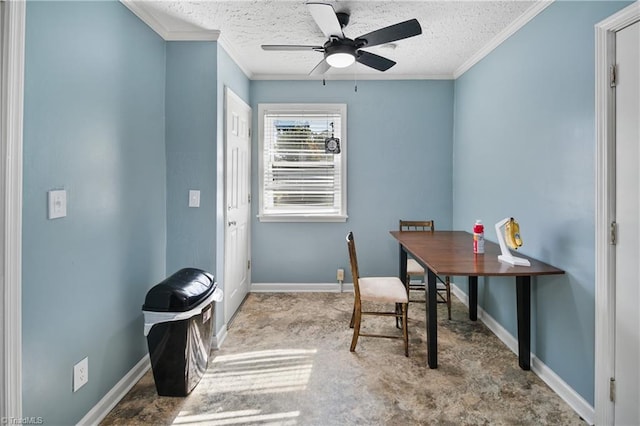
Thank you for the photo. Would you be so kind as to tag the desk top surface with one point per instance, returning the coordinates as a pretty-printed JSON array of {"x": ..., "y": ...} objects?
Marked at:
[{"x": 451, "y": 253}]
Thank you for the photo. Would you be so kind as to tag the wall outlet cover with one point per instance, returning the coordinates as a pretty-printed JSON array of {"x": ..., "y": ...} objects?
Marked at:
[
  {"x": 57, "y": 200},
  {"x": 80, "y": 374},
  {"x": 194, "y": 198}
]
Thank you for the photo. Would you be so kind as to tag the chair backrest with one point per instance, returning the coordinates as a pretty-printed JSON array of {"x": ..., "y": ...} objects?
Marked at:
[
  {"x": 351, "y": 244},
  {"x": 417, "y": 225}
]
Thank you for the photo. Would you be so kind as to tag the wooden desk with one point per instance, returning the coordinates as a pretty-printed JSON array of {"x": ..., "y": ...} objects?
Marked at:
[{"x": 451, "y": 253}]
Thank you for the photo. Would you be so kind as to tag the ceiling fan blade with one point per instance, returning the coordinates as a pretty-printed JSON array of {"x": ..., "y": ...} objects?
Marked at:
[
  {"x": 290, "y": 47},
  {"x": 391, "y": 33},
  {"x": 321, "y": 68},
  {"x": 326, "y": 18},
  {"x": 374, "y": 61}
]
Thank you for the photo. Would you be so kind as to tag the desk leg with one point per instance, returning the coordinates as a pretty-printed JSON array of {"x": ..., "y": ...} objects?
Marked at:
[
  {"x": 432, "y": 321},
  {"x": 473, "y": 298},
  {"x": 523, "y": 295}
]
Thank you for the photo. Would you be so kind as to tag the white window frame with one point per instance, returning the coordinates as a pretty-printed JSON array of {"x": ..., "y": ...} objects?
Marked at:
[{"x": 310, "y": 108}]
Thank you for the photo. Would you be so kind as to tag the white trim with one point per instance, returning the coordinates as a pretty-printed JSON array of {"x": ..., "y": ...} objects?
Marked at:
[
  {"x": 215, "y": 35},
  {"x": 234, "y": 55},
  {"x": 111, "y": 399},
  {"x": 566, "y": 392},
  {"x": 13, "y": 26},
  {"x": 503, "y": 35},
  {"x": 192, "y": 35},
  {"x": 352, "y": 77},
  {"x": 265, "y": 109},
  {"x": 605, "y": 204},
  {"x": 219, "y": 337},
  {"x": 301, "y": 218},
  {"x": 560, "y": 387},
  {"x": 196, "y": 34},
  {"x": 300, "y": 287}
]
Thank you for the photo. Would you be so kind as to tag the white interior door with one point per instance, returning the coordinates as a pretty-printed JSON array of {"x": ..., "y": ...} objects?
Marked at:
[
  {"x": 627, "y": 208},
  {"x": 237, "y": 265}
]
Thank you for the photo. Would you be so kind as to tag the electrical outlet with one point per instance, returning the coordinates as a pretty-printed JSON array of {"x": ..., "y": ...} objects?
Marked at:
[
  {"x": 340, "y": 275},
  {"x": 80, "y": 374}
]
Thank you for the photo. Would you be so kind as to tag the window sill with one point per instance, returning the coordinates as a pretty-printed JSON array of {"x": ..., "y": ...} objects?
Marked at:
[{"x": 302, "y": 218}]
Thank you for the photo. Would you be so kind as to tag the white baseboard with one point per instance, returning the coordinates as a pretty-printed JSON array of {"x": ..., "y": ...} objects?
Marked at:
[
  {"x": 559, "y": 386},
  {"x": 300, "y": 287},
  {"x": 219, "y": 337},
  {"x": 566, "y": 392},
  {"x": 111, "y": 399}
]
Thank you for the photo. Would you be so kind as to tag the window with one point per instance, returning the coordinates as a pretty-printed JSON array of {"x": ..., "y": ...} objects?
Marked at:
[{"x": 299, "y": 181}]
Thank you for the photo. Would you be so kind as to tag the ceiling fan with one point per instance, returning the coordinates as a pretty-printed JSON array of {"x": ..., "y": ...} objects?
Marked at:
[{"x": 340, "y": 51}]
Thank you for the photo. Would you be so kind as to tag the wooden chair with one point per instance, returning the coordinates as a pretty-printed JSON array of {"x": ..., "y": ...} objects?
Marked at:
[
  {"x": 376, "y": 289},
  {"x": 415, "y": 269}
]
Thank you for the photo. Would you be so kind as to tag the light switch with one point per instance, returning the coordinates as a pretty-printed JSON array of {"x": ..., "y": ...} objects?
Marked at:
[
  {"x": 57, "y": 203},
  {"x": 194, "y": 198}
]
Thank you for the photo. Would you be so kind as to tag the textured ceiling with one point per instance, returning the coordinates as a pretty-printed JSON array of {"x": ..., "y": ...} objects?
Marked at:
[{"x": 453, "y": 32}]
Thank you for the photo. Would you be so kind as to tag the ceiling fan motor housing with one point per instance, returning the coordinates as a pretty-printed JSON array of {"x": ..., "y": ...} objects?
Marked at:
[{"x": 338, "y": 45}]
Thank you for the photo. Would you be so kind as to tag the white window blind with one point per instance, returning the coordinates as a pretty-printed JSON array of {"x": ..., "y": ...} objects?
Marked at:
[{"x": 299, "y": 180}]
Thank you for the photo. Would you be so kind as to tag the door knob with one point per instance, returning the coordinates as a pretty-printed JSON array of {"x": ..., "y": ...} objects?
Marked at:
[{"x": 232, "y": 222}]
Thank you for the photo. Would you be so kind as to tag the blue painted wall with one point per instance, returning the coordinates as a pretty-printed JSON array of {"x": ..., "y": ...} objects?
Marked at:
[
  {"x": 191, "y": 128},
  {"x": 93, "y": 125},
  {"x": 520, "y": 141},
  {"x": 524, "y": 146},
  {"x": 399, "y": 166}
]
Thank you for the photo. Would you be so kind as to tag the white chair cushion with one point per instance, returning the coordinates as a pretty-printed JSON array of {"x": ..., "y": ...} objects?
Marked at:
[
  {"x": 414, "y": 268},
  {"x": 383, "y": 289}
]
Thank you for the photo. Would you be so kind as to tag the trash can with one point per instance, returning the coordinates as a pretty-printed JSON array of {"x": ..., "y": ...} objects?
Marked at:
[{"x": 178, "y": 315}]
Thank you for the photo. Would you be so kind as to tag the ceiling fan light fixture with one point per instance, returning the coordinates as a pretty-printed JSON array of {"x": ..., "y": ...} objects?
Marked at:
[{"x": 340, "y": 60}]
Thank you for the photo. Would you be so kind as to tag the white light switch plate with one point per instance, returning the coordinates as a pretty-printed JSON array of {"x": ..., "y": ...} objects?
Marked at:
[
  {"x": 194, "y": 198},
  {"x": 57, "y": 204}
]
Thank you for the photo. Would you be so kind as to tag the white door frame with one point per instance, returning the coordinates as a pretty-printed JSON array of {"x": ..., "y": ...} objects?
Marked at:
[
  {"x": 11, "y": 111},
  {"x": 605, "y": 202}
]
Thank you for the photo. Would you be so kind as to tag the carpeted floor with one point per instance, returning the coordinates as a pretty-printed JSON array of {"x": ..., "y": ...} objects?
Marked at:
[{"x": 286, "y": 361}]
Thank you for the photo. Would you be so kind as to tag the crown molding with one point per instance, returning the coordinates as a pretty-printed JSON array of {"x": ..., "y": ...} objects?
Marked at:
[
  {"x": 234, "y": 55},
  {"x": 168, "y": 35},
  {"x": 531, "y": 13},
  {"x": 352, "y": 77},
  {"x": 215, "y": 35}
]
